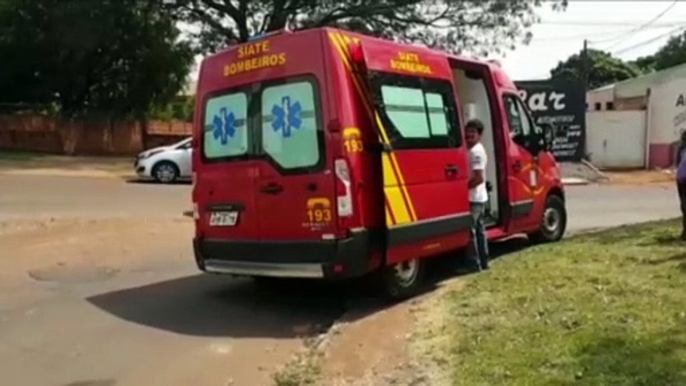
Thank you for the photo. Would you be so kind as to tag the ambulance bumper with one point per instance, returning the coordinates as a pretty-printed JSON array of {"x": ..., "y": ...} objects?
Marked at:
[{"x": 325, "y": 259}]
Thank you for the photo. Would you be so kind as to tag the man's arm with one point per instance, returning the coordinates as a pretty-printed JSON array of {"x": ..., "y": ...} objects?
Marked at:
[
  {"x": 478, "y": 165},
  {"x": 476, "y": 179}
]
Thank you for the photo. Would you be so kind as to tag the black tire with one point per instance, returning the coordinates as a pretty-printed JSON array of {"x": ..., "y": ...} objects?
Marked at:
[
  {"x": 165, "y": 172},
  {"x": 553, "y": 223},
  {"x": 404, "y": 280}
]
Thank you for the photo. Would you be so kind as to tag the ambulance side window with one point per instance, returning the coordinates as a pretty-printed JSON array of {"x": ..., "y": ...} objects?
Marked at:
[
  {"x": 405, "y": 108},
  {"x": 521, "y": 127},
  {"x": 417, "y": 113}
]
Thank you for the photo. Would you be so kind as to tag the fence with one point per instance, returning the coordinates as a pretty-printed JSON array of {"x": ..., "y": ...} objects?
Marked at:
[{"x": 86, "y": 137}]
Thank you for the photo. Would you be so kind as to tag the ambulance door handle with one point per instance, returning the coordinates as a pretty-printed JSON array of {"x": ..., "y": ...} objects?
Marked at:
[
  {"x": 451, "y": 169},
  {"x": 272, "y": 189},
  {"x": 517, "y": 166}
]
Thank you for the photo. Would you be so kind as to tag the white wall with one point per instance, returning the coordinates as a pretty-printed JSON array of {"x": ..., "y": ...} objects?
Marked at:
[
  {"x": 602, "y": 96},
  {"x": 616, "y": 139},
  {"x": 667, "y": 106}
]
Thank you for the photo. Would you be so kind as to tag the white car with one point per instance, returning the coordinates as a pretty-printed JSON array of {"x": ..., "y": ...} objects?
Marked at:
[{"x": 166, "y": 163}]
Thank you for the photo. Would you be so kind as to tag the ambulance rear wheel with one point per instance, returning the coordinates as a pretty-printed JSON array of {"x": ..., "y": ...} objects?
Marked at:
[
  {"x": 404, "y": 279},
  {"x": 553, "y": 223}
]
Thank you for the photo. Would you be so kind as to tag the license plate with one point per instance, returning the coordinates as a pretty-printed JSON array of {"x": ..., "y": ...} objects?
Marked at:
[{"x": 223, "y": 219}]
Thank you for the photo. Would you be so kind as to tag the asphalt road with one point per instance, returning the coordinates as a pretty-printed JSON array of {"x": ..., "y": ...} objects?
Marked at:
[
  {"x": 68, "y": 197},
  {"x": 602, "y": 206},
  {"x": 31, "y": 197},
  {"x": 104, "y": 292}
]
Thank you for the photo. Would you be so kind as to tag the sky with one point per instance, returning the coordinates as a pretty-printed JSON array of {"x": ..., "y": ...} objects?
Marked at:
[{"x": 628, "y": 29}]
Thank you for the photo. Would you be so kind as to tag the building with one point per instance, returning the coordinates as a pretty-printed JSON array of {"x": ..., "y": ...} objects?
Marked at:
[
  {"x": 600, "y": 99},
  {"x": 637, "y": 122}
]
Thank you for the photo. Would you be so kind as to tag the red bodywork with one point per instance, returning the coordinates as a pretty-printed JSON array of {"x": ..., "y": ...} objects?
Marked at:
[{"x": 365, "y": 197}]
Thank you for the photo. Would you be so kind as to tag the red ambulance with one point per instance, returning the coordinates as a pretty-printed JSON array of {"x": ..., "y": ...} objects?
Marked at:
[{"x": 328, "y": 154}]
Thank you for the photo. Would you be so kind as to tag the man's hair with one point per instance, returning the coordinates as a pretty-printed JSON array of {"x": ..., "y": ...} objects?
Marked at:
[{"x": 476, "y": 125}]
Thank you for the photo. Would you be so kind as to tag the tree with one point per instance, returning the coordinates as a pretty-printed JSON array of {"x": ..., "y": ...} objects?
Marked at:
[
  {"x": 114, "y": 57},
  {"x": 645, "y": 64},
  {"x": 603, "y": 69},
  {"x": 479, "y": 26},
  {"x": 673, "y": 53}
]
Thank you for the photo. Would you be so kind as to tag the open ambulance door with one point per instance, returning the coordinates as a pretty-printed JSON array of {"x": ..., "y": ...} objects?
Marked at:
[{"x": 411, "y": 102}]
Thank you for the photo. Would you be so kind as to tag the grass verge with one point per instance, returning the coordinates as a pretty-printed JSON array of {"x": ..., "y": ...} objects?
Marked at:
[
  {"x": 601, "y": 309},
  {"x": 12, "y": 155},
  {"x": 303, "y": 370}
]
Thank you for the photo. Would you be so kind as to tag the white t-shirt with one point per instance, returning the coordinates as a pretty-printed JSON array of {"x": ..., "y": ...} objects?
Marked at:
[{"x": 477, "y": 161}]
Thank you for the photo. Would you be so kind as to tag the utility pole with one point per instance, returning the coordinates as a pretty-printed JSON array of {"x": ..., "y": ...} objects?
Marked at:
[{"x": 586, "y": 66}]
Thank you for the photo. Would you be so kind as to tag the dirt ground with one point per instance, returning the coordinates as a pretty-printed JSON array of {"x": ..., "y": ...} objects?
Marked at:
[
  {"x": 18, "y": 163},
  {"x": 640, "y": 177}
]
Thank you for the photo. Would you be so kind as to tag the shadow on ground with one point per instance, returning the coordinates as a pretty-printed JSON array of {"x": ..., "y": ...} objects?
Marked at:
[
  {"x": 140, "y": 181},
  {"x": 205, "y": 305}
]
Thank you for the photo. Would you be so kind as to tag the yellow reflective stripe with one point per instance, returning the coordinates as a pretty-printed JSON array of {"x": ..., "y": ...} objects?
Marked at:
[
  {"x": 396, "y": 189},
  {"x": 394, "y": 195},
  {"x": 401, "y": 178},
  {"x": 389, "y": 218}
]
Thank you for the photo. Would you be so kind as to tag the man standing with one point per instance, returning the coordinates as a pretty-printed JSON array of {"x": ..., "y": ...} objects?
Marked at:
[
  {"x": 681, "y": 181},
  {"x": 478, "y": 195}
]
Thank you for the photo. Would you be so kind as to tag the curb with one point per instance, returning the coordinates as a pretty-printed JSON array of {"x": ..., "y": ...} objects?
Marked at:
[{"x": 575, "y": 181}]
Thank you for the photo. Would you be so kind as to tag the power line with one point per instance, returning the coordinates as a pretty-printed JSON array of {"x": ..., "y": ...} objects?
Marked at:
[
  {"x": 651, "y": 21},
  {"x": 604, "y": 41},
  {"x": 581, "y": 36},
  {"x": 620, "y": 32},
  {"x": 638, "y": 45},
  {"x": 604, "y": 23}
]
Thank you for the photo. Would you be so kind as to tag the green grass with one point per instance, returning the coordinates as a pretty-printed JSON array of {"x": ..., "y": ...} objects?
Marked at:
[
  {"x": 303, "y": 370},
  {"x": 601, "y": 309},
  {"x": 12, "y": 155}
]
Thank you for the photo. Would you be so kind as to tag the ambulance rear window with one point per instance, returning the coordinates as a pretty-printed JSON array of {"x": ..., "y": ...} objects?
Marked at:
[
  {"x": 290, "y": 132},
  {"x": 278, "y": 121},
  {"x": 225, "y": 133}
]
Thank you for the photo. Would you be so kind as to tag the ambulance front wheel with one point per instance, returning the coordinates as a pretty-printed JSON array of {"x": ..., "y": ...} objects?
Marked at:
[
  {"x": 553, "y": 223},
  {"x": 404, "y": 279}
]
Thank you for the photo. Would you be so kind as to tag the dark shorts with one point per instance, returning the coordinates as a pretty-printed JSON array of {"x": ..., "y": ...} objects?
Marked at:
[{"x": 681, "y": 187}]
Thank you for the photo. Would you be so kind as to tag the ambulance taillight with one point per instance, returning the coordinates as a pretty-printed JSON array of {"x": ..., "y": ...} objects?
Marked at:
[{"x": 344, "y": 199}]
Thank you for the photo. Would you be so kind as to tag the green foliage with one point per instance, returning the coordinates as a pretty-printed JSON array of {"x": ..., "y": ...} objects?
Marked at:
[
  {"x": 603, "y": 69},
  {"x": 646, "y": 64},
  {"x": 454, "y": 25},
  {"x": 113, "y": 57},
  {"x": 181, "y": 109},
  {"x": 671, "y": 54},
  {"x": 601, "y": 309}
]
